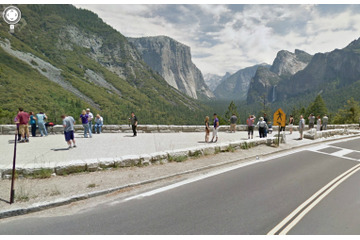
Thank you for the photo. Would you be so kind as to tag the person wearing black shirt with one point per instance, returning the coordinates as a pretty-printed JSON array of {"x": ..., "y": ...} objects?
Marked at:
[{"x": 134, "y": 123}]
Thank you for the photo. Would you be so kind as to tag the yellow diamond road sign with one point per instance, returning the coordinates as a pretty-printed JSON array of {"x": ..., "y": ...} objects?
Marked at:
[{"x": 279, "y": 118}]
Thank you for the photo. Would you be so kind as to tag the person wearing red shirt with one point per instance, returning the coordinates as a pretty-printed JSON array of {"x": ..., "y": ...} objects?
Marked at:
[{"x": 23, "y": 119}]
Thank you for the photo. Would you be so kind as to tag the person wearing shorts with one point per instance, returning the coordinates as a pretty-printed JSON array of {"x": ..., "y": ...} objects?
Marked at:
[
  {"x": 216, "y": 128},
  {"x": 23, "y": 118},
  {"x": 68, "y": 124},
  {"x": 250, "y": 123}
]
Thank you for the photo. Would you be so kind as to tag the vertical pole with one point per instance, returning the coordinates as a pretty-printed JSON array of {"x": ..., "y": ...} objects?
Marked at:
[
  {"x": 279, "y": 134},
  {"x": 12, "y": 192}
]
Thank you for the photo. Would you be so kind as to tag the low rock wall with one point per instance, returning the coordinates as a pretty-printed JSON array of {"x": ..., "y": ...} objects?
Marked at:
[
  {"x": 58, "y": 129},
  {"x": 313, "y": 134},
  {"x": 91, "y": 165}
]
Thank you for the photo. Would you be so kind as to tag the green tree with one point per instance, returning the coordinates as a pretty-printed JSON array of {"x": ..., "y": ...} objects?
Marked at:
[
  {"x": 349, "y": 114},
  {"x": 232, "y": 109},
  {"x": 317, "y": 107}
]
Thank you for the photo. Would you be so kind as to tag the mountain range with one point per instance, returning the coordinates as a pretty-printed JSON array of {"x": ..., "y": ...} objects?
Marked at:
[{"x": 62, "y": 59}]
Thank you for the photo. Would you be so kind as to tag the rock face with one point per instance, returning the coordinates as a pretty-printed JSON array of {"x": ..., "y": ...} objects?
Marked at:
[
  {"x": 172, "y": 60},
  {"x": 326, "y": 71},
  {"x": 236, "y": 86},
  {"x": 213, "y": 80},
  {"x": 264, "y": 85},
  {"x": 287, "y": 63},
  {"x": 75, "y": 60}
]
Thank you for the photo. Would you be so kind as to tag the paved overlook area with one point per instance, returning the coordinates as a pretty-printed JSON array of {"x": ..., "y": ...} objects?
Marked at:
[
  {"x": 120, "y": 149},
  {"x": 104, "y": 151}
]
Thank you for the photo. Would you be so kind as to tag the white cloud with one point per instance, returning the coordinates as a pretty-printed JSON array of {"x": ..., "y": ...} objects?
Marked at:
[{"x": 227, "y": 37}]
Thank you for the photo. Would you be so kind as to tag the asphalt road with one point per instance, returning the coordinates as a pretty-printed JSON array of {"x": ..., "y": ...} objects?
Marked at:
[{"x": 252, "y": 199}]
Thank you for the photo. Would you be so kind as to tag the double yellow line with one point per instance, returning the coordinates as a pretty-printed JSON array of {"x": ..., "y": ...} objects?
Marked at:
[{"x": 290, "y": 221}]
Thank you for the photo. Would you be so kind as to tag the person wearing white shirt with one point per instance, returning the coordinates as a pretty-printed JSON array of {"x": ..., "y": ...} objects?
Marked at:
[{"x": 98, "y": 123}]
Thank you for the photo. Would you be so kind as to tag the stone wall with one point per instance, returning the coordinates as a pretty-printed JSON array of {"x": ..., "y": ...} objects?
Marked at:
[
  {"x": 91, "y": 165},
  {"x": 58, "y": 129}
]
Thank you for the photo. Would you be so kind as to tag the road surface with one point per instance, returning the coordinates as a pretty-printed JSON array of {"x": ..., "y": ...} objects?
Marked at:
[{"x": 319, "y": 186}]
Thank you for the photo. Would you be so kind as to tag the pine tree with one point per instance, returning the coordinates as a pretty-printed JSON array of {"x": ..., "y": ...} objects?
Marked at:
[
  {"x": 318, "y": 107},
  {"x": 349, "y": 114}
]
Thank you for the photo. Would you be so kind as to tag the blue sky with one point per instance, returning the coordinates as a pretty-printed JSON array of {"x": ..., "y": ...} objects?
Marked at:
[{"x": 227, "y": 38}]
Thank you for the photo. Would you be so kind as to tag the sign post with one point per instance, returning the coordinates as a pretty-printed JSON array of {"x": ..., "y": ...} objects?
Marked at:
[
  {"x": 280, "y": 121},
  {"x": 12, "y": 191}
]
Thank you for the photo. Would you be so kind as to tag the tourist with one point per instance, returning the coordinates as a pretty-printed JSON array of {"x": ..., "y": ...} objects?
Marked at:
[
  {"x": 325, "y": 122},
  {"x": 68, "y": 124},
  {"x": 41, "y": 117},
  {"x": 291, "y": 123},
  {"x": 266, "y": 120},
  {"x": 250, "y": 124},
  {"x": 16, "y": 120},
  {"x": 216, "y": 128},
  {"x": 90, "y": 118},
  {"x": 318, "y": 123},
  {"x": 134, "y": 123},
  {"x": 23, "y": 118},
  {"x": 311, "y": 121},
  {"x": 301, "y": 126},
  {"x": 262, "y": 127},
  {"x": 207, "y": 129},
  {"x": 233, "y": 121},
  {"x": 85, "y": 122},
  {"x": 98, "y": 123},
  {"x": 33, "y": 124}
]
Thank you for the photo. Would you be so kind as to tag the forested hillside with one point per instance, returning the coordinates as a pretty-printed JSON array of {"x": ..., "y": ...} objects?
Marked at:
[{"x": 62, "y": 59}]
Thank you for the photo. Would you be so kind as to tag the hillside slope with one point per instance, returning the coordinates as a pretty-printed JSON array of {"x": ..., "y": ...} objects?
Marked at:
[{"x": 62, "y": 59}]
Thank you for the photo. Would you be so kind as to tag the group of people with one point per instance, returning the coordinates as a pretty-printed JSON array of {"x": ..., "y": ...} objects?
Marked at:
[
  {"x": 264, "y": 125},
  {"x": 86, "y": 119},
  {"x": 22, "y": 120},
  {"x": 320, "y": 124}
]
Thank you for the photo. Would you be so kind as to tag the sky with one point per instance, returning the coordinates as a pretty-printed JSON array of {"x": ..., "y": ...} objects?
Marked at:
[{"x": 227, "y": 38}]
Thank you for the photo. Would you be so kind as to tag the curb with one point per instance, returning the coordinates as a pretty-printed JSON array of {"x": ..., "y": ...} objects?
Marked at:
[
  {"x": 91, "y": 165},
  {"x": 64, "y": 201}
]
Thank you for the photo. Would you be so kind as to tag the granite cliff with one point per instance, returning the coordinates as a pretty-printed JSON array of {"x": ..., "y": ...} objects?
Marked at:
[
  {"x": 172, "y": 60},
  {"x": 265, "y": 83}
]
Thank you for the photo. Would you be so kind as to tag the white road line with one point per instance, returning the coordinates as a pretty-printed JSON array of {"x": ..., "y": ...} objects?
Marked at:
[
  {"x": 341, "y": 153},
  {"x": 290, "y": 221},
  {"x": 150, "y": 193}
]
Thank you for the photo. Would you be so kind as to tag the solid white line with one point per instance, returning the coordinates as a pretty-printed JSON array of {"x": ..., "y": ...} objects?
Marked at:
[
  {"x": 150, "y": 193},
  {"x": 312, "y": 205},
  {"x": 303, "y": 205},
  {"x": 341, "y": 153}
]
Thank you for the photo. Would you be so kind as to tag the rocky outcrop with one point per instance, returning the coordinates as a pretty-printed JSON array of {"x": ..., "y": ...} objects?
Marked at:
[
  {"x": 264, "y": 85},
  {"x": 326, "y": 72},
  {"x": 287, "y": 63},
  {"x": 236, "y": 86},
  {"x": 172, "y": 60}
]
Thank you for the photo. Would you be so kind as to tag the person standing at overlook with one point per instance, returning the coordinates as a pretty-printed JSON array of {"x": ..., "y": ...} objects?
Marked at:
[{"x": 216, "y": 128}]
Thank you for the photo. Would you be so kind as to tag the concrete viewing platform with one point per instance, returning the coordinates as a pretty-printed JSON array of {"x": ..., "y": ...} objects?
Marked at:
[{"x": 107, "y": 150}]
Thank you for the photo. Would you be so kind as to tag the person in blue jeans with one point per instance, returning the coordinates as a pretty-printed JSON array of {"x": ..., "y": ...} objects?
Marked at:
[
  {"x": 41, "y": 117},
  {"x": 98, "y": 123},
  {"x": 85, "y": 122}
]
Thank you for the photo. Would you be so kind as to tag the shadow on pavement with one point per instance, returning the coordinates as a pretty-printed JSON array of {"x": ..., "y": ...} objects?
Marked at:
[
  {"x": 128, "y": 136},
  {"x": 2, "y": 200},
  {"x": 60, "y": 149}
]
